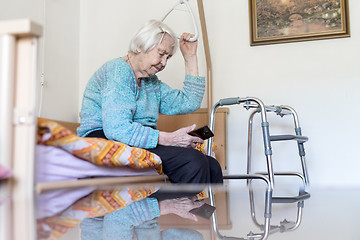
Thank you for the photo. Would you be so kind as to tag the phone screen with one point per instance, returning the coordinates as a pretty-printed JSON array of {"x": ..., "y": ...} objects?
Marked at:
[
  {"x": 204, "y": 211},
  {"x": 203, "y": 133}
]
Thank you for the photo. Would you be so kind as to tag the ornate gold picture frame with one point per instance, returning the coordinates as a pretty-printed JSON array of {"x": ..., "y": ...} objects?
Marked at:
[{"x": 281, "y": 21}]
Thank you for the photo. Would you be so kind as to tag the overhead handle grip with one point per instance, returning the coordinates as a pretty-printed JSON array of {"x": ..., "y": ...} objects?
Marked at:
[{"x": 196, "y": 34}]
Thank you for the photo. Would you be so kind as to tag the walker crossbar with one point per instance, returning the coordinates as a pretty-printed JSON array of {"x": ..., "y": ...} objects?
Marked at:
[
  {"x": 276, "y": 109},
  {"x": 300, "y": 139}
]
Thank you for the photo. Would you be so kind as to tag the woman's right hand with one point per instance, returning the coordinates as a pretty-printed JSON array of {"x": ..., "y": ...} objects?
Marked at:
[
  {"x": 179, "y": 138},
  {"x": 180, "y": 207}
]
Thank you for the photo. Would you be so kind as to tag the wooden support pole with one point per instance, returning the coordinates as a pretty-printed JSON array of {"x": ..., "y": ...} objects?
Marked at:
[{"x": 207, "y": 54}]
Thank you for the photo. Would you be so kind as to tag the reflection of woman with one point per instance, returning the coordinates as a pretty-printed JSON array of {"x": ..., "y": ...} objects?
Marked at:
[
  {"x": 123, "y": 99},
  {"x": 139, "y": 220}
]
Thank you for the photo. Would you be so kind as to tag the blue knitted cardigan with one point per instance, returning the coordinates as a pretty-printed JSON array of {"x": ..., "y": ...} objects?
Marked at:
[{"x": 127, "y": 113}]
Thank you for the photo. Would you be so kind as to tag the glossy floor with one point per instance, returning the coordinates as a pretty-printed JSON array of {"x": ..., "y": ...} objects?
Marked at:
[{"x": 70, "y": 213}]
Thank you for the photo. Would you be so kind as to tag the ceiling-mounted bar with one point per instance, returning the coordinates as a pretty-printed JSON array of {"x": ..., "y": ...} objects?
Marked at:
[{"x": 196, "y": 34}]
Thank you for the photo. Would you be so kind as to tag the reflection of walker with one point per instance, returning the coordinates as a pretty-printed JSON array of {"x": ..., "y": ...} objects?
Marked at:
[{"x": 267, "y": 176}]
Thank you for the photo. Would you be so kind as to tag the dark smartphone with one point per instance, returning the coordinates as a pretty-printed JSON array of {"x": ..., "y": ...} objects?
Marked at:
[
  {"x": 203, "y": 133},
  {"x": 205, "y": 211}
]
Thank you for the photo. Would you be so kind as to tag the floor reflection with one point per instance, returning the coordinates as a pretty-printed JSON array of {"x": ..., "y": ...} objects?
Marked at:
[
  {"x": 139, "y": 220},
  {"x": 165, "y": 211},
  {"x": 60, "y": 210},
  {"x": 127, "y": 212}
]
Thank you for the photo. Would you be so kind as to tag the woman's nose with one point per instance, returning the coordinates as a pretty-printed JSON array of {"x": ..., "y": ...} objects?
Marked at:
[{"x": 163, "y": 61}]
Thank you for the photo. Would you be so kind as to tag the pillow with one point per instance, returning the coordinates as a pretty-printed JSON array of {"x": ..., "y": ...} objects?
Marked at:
[{"x": 98, "y": 151}]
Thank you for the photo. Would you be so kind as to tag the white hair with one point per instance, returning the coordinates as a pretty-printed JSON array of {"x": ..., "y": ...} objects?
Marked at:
[{"x": 150, "y": 35}]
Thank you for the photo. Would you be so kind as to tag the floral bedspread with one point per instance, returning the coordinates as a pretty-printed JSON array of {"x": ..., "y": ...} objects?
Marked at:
[{"x": 98, "y": 151}]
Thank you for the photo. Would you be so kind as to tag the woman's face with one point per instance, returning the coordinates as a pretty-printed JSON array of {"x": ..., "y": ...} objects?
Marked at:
[{"x": 155, "y": 60}]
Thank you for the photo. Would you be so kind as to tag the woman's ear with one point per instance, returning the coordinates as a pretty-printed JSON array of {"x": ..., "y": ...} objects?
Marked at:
[{"x": 138, "y": 49}]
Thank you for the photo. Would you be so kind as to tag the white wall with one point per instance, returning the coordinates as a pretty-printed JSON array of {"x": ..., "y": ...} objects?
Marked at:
[
  {"x": 61, "y": 60},
  {"x": 58, "y": 52},
  {"x": 14, "y": 9},
  {"x": 20, "y": 9}
]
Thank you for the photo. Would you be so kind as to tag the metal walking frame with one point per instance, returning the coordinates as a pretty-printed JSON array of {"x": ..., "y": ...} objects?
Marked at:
[{"x": 268, "y": 176}]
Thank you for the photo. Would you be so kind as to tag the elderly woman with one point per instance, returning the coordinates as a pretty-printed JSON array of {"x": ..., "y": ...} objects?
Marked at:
[{"x": 123, "y": 99}]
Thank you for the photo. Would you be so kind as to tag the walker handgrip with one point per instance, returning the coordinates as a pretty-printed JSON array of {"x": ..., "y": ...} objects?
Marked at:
[{"x": 228, "y": 101}]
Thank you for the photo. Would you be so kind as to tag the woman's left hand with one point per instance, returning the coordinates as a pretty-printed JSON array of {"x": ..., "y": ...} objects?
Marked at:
[
  {"x": 188, "y": 49},
  {"x": 189, "y": 52}
]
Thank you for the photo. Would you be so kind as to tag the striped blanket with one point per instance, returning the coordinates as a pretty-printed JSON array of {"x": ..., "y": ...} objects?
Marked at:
[{"x": 98, "y": 151}]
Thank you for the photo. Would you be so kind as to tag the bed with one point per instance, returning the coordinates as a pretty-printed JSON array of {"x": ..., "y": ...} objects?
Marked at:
[
  {"x": 62, "y": 159},
  {"x": 48, "y": 155}
]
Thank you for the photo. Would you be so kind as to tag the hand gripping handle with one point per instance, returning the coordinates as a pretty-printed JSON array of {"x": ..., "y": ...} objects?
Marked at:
[{"x": 196, "y": 34}]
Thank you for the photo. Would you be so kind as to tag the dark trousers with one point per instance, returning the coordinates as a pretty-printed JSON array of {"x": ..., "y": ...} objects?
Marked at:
[
  {"x": 183, "y": 165},
  {"x": 187, "y": 165}
]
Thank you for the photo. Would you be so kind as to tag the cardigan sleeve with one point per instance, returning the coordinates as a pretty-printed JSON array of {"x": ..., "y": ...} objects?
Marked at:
[{"x": 187, "y": 100}]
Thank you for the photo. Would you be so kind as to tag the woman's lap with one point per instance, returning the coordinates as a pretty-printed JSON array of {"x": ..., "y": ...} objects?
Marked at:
[
  {"x": 183, "y": 165},
  {"x": 187, "y": 165}
]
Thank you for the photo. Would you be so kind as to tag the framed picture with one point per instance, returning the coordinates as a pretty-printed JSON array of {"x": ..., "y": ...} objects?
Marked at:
[{"x": 280, "y": 21}]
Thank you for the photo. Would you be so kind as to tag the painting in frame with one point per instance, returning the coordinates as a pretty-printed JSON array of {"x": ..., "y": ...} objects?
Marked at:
[{"x": 280, "y": 21}]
